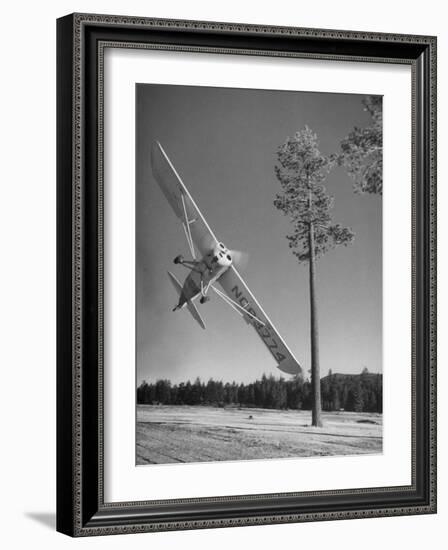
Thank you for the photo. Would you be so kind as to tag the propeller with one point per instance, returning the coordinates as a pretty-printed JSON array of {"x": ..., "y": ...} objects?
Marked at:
[{"x": 239, "y": 259}]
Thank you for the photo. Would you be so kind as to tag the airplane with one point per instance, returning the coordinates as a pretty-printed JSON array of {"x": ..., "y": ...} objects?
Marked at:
[{"x": 212, "y": 264}]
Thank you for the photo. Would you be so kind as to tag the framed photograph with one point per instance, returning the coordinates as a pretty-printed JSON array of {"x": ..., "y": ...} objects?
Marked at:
[{"x": 246, "y": 274}]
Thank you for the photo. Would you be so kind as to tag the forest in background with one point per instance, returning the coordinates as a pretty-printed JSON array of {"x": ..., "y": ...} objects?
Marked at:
[{"x": 350, "y": 392}]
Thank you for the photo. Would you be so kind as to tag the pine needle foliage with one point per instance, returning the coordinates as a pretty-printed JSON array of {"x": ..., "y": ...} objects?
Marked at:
[
  {"x": 301, "y": 171},
  {"x": 362, "y": 151}
]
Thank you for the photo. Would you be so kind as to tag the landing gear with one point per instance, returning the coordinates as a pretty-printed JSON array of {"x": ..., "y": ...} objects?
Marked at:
[
  {"x": 178, "y": 259},
  {"x": 204, "y": 299}
]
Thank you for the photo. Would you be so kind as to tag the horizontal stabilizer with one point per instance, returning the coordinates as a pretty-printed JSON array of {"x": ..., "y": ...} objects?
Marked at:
[
  {"x": 175, "y": 283},
  {"x": 193, "y": 310},
  {"x": 190, "y": 306}
]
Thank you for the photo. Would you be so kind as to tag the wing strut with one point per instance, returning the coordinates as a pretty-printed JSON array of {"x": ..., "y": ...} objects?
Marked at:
[
  {"x": 204, "y": 289},
  {"x": 186, "y": 225},
  {"x": 237, "y": 307}
]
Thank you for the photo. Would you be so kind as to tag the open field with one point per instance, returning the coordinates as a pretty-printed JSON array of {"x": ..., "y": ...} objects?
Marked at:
[{"x": 205, "y": 434}]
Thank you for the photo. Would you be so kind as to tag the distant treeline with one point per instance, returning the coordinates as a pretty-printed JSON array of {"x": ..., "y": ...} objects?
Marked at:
[{"x": 351, "y": 392}]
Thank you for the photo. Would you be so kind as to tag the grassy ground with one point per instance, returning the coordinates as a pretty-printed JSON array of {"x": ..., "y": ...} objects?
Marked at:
[{"x": 204, "y": 434}]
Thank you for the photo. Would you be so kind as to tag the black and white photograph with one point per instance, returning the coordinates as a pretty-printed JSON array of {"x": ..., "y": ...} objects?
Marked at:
[
  {"x": 222, "y": 240},
  {"x": 258, "y": 274}
]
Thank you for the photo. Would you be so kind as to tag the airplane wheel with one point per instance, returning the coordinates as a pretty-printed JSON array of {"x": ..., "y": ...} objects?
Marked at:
[{"x": 178, "y": 259}]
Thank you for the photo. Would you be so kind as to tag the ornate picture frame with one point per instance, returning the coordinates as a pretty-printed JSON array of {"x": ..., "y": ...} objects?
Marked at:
[{"x": 81, "y": 506}]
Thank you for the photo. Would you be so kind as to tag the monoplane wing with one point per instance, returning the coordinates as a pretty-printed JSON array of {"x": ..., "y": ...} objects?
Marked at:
[
  {"x": 197, "y": 231},
  {"x": 239, "y": 293}
]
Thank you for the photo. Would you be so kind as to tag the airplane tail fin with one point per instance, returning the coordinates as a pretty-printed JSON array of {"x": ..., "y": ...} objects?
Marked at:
[{"x": 191, "y": 307}]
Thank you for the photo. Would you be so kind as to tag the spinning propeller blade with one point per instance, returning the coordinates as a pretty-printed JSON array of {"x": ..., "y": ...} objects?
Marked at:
[{"x": 239, "y": 259}]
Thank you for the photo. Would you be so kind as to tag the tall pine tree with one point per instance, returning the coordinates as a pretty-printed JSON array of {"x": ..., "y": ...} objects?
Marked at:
[{"x": 301, "y": 171}]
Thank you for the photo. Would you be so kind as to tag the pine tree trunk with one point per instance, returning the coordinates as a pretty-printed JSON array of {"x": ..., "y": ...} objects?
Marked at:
[{"x": 315, "y": 368}]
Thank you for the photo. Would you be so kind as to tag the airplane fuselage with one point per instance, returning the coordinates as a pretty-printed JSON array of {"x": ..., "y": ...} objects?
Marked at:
[{"x": 204, "y": 272}]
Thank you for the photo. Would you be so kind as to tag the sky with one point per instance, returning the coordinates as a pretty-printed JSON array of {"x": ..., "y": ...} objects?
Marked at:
[{"x": 223, "y": 144}]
